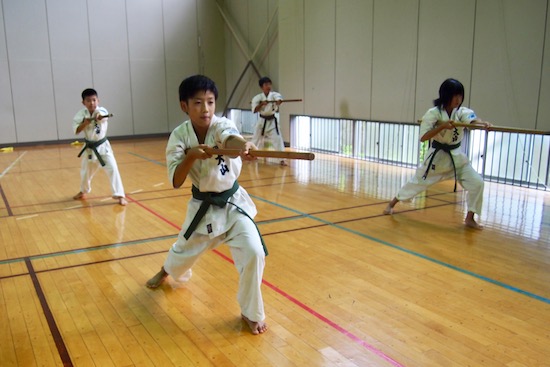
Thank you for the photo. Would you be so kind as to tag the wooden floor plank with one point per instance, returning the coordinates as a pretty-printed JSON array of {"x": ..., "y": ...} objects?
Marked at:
[{"x": 344, "y": 284}]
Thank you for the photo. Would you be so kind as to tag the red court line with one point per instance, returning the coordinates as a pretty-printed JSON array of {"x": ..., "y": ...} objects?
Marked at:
[{"x": 308, "y": 309}]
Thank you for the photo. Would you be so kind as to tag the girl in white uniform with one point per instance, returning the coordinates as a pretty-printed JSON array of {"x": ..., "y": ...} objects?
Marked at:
[
  {"x": 215, "y": 212},
  {"x": 445, "y": 159},
  {"x": 97, "y": 152},
  {"x": 267, "y": 133}
]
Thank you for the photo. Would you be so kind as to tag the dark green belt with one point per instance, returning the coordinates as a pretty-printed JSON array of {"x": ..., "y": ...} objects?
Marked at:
[
  {"x": 446, "y": 148},
  {"x": 220, "y": 199},
  {"x": 93, "y": 146}
]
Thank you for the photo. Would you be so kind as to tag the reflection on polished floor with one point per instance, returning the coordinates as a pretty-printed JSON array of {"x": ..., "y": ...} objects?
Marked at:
[{"x": 344, "y": 284}]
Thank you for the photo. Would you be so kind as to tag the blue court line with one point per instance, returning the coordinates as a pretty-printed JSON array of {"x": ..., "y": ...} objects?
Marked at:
[{"x": 417, "y": 254}]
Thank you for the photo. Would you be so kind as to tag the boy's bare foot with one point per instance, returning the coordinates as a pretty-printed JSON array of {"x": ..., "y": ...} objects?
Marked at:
[
  {"x": 121, "y": 200},
  {"x": 158, "y": 279},
  {"x": 79, "y": 196},
  {"x": 388, "y": 210},
  {"x": 257, "y": 327},
  {"x": 471, "y": 223}
]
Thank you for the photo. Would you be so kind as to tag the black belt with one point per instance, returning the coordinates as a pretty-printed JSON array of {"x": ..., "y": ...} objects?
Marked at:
[
  {"x": 220, "y": 199},
  {"x": 93, "y": 146},
  {"x": 268, "y": 118},
  {"x": 446, "y": 148}
]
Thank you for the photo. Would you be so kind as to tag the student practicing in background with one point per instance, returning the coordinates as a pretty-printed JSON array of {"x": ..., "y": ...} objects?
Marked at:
[
  {"x": 267, "y": 134},
  {"x": 445, "y": 160},
  {"x": 93, "y": 120},
  {"x": 220, "y": 210}
]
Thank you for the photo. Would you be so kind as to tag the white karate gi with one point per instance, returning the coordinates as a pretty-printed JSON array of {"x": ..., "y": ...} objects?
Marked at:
[
  {"x": 219, "y": 225},
  {"x": 95, "y": 131},
  {"x": 272, "y": 138},
  {"x": 442, "y": 168}
]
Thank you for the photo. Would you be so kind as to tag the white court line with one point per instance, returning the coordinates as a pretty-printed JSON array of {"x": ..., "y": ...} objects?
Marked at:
[
  {"x": 136, "y": 191},
  {"x": 27, "y": 217},
  {"x": 74, "y": 207},
  {"x": 13, "y": 164},
  {"x": 106, "y": 199},
  {"x": 159, "y": 184}
]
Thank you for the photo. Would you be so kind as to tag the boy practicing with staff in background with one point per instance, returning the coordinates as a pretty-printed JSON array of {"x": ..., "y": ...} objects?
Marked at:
[
  {"x": 445, "y": 160},
  {"x": 93, "y": 120},
  {"x": 267, "y": 133},
  {"x": 220, "y": 210}
]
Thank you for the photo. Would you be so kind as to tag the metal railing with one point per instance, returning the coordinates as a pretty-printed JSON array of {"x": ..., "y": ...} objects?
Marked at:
[{"x": 511, "y": 158}]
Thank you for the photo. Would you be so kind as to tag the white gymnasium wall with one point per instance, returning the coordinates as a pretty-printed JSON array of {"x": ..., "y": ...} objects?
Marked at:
[
  {"x": 135, "y": 53},
  {"x": 385, "y": 59}
]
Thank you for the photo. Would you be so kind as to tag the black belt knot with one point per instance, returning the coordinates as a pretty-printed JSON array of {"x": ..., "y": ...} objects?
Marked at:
[
  {"x": 93, "y": 146},
  {"x": 219, "y": 199},
  {"x": 447, "y": 149}
]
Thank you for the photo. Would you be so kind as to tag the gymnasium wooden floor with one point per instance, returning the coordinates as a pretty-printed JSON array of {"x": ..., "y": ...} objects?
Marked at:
[{"x": 343, "y": 286}]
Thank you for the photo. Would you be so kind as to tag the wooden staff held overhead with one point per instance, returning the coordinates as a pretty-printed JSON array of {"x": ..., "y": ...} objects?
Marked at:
[
  {"x": 475, "y": 126},
  {"x": 262, "y": 153}
]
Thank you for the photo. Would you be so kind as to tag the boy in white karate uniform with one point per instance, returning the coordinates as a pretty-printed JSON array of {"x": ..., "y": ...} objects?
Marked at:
[
  {"x": 93, "y": 121},
  {"x": 215, "y": 212},
  {"x": 267, "y": 132},
  {"x": 445, "y": 159}
]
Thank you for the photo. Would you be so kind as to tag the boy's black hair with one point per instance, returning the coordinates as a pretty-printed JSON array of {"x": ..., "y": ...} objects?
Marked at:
[
  {"x": 448, "y": 89},
  {"x": 264, "y": 80},
  {"x": 88, "y": 93},
  {"x": 196, "y": 83}
]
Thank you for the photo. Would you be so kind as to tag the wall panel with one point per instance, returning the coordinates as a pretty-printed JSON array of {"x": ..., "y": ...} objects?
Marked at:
[
  {"x": 181, "y": 51},
  {"x": 30, "y": 69},
  {"x": 71, "y": 62},
  {"x": 394, "y": 60},
  {"x": 508, "y": 45},
  {"x": 445, "y": 48},
  {"x": 7, "y": 120},
  {"x": 320, "y": 50},
  {"x": 147, "y": 67},
  {"x": 353, "y": 68}
]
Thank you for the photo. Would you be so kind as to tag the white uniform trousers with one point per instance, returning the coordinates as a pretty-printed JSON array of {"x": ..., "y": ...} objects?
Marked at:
[
  {"x": 270, "y": 140},
  {"x": 468, "y": 178},
  {"x": 89, "y": 168},
  {"x": 248, "y": 255}
]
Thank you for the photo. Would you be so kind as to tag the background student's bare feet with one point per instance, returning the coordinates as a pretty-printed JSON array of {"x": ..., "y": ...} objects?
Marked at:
[
  {"x": 79, "y": 196},
  {"x": 472, "y": 224},
  {"x": 256, "y": 327},
  {"x": 158, "y": 279},
  {"x": 121, "y": 200},
  {"x": 388, "y": 210},
  {"x": 470, "y": 221}
]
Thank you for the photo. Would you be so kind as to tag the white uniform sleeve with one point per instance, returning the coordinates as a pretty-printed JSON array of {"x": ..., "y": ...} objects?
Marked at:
[
  {"x": 175, "y": 152},
  {"x": 429, "y": 120},
  {"x": 255, "y": 102},
  {"x": 77, "y": 120},
  {"x": 466, "y": 115},
  {"x": 226, "y": 128}
]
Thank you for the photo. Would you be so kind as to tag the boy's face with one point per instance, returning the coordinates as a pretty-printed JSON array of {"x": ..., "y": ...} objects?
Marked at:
[
  {"x": 266, "y": 88},
  {"x": 91, "y": 103},
  {"x": 200, "y": 108}
]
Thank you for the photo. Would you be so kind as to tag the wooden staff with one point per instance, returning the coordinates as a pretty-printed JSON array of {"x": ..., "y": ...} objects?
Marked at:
[
  {"x": 103, "y": 116},
  {"x": 283, "y": 100},
  {"x": 262, "y": 153},
  {"x": 475, "y": 126}
]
